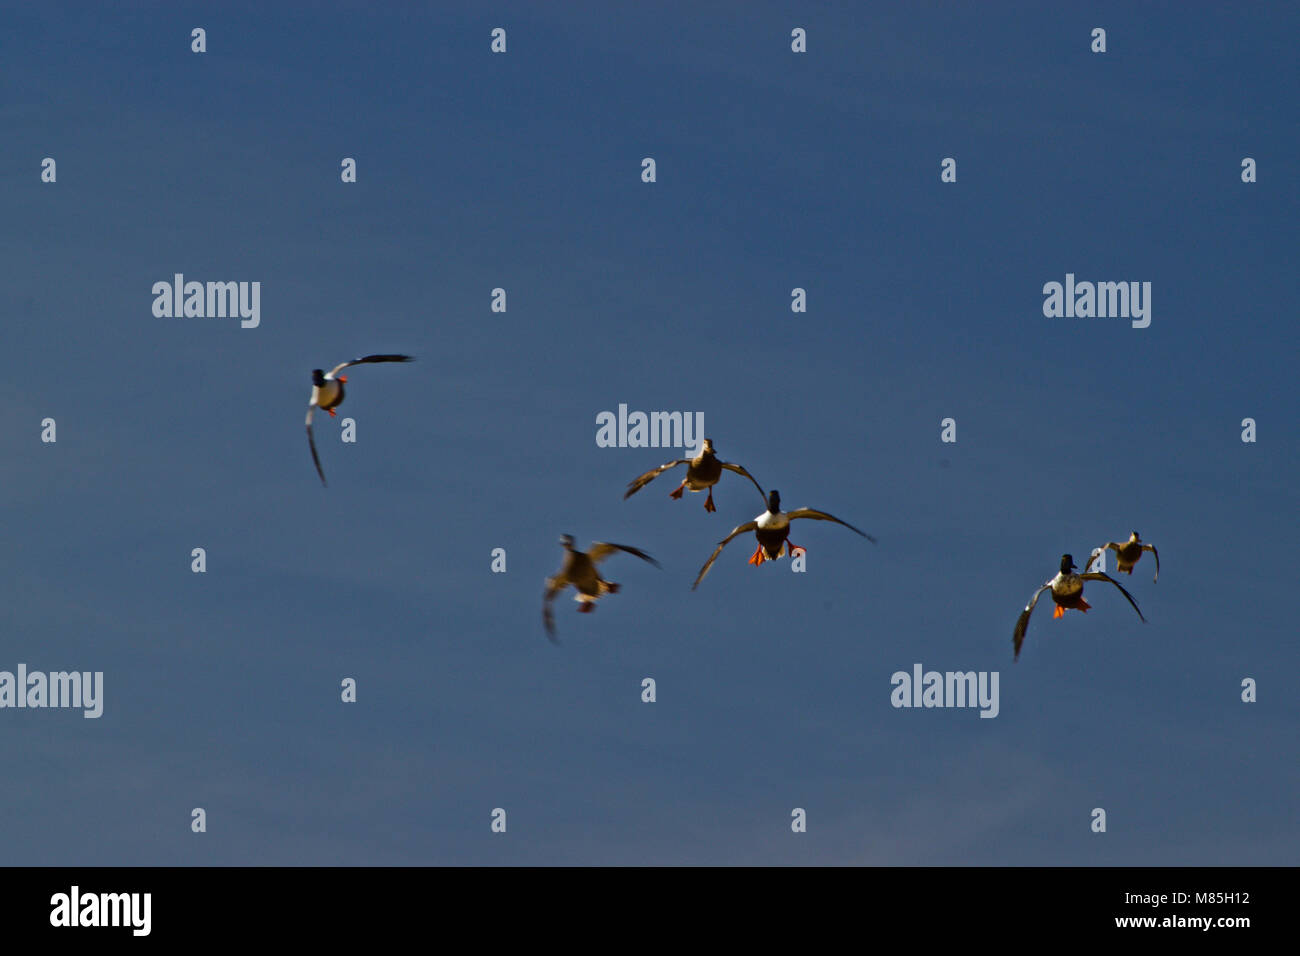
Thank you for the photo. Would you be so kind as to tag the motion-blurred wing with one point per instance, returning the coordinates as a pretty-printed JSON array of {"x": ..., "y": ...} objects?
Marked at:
[
  {"x": 553, "y": 587},
  {"x": 600, "y": 550},
  {"x": 636, "y": 484},
  {"x": 747, "y": 526}
]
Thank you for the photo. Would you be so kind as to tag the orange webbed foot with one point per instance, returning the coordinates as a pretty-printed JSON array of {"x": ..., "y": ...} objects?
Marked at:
[
  {"x": 331, "y": 411},
  {"x": 1059, "y": 612},
  {"x": 757, "y": 558},
  {"x": 1084, "y": 605},
  {"x": 343, "y": 378},
  {"x": 708, "y": 503},
  {"x": 680, "y": 490}
]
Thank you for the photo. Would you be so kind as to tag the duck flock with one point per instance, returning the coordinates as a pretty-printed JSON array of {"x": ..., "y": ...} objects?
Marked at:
[{"x": 771, "y": 528}]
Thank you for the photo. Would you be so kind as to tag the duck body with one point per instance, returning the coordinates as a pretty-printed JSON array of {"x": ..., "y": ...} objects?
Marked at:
[
  {"x": 327, "y": 394},
  {"x": 580, "y": 571},
  {"x": 772, "y": 532},
  {"x": 1128, "y": 555},
  {"x": 703, "y": 471},
  {"x": 1067, "y": 593},
  {"x": 772, "y": 529}
]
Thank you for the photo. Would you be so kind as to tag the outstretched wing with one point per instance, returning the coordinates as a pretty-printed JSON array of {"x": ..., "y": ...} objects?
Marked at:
[
  {"x": 823, "y": 516},
  {"x": 747, "y": 526},
  {"x": 1155, "y": 554},
  {"x": 741, "y": 471},
  {"x": 311, "y": 442},
  {"x": 600, "y": 550},
  {"x": 553, "y": 587},
  {"x": 1022, "y": 623},
  {"x": 636, "y": 484},
  {"x": 368, "y": 359},
  {"x": 1103, "y": 576}
]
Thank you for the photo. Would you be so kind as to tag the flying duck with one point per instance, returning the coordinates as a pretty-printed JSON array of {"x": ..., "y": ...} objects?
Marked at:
[
  {"x": 772, "y": 528},
  {"x": 579, "y": 570},
  {"x": 1127, "y": 554},
  {"x": 327, "y": 393},
  {"x": 1067, "y": 592},
  {"x": 702, "y": 471}
]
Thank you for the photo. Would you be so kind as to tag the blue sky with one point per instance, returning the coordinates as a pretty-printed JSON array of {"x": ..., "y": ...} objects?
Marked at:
[{"x": 522, "y": 171}]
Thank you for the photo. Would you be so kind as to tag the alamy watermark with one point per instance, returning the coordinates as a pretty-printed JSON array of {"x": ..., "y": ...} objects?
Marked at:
[
  {"x": 84, "y": 689},
  {"x": 1102, "y": 300},
  {"x": 210, "y": 300},
  {"x": 76, "y": 908},
  {"x": 655, "y": 430},
  {"x": 947, "y": 689}
]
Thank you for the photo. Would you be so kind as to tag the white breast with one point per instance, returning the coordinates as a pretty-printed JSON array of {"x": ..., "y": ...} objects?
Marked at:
[
  {"x": 770, "y": 522},
  {"x": 1066, "y": 584},
  {"x": 325, "y": 395}
]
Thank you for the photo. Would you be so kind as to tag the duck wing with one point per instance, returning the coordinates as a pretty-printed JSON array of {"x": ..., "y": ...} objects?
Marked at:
[
  {"x": 1097, "y": 552},
  {"x": 731, "y": 466},
  {"x": 740, "y": 529},
  {"x": 1022, "y": 623},
  {"x": 636, "y": 484},
  {"x": 823, "y": 516},
  {"x": 311, "y": 442},
  {"x": 367, "y": 359},
  {"x": 1155, "y": 554},
  {"x": 1103, "y": 576},
  {"x": 554, "y": 586},
  {"x": 600, "y": 550}
]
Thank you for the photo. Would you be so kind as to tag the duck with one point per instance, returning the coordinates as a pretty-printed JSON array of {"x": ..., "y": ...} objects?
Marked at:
[
  {"x": 579, "y": 570},
  {"x": 772, "y": 528},
  {"x": 1067, "y": 592},
  {"x": 702, "y": 472},
  {"x": 327, "y": 394},
  {"x": 1128, "y": 553}
]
